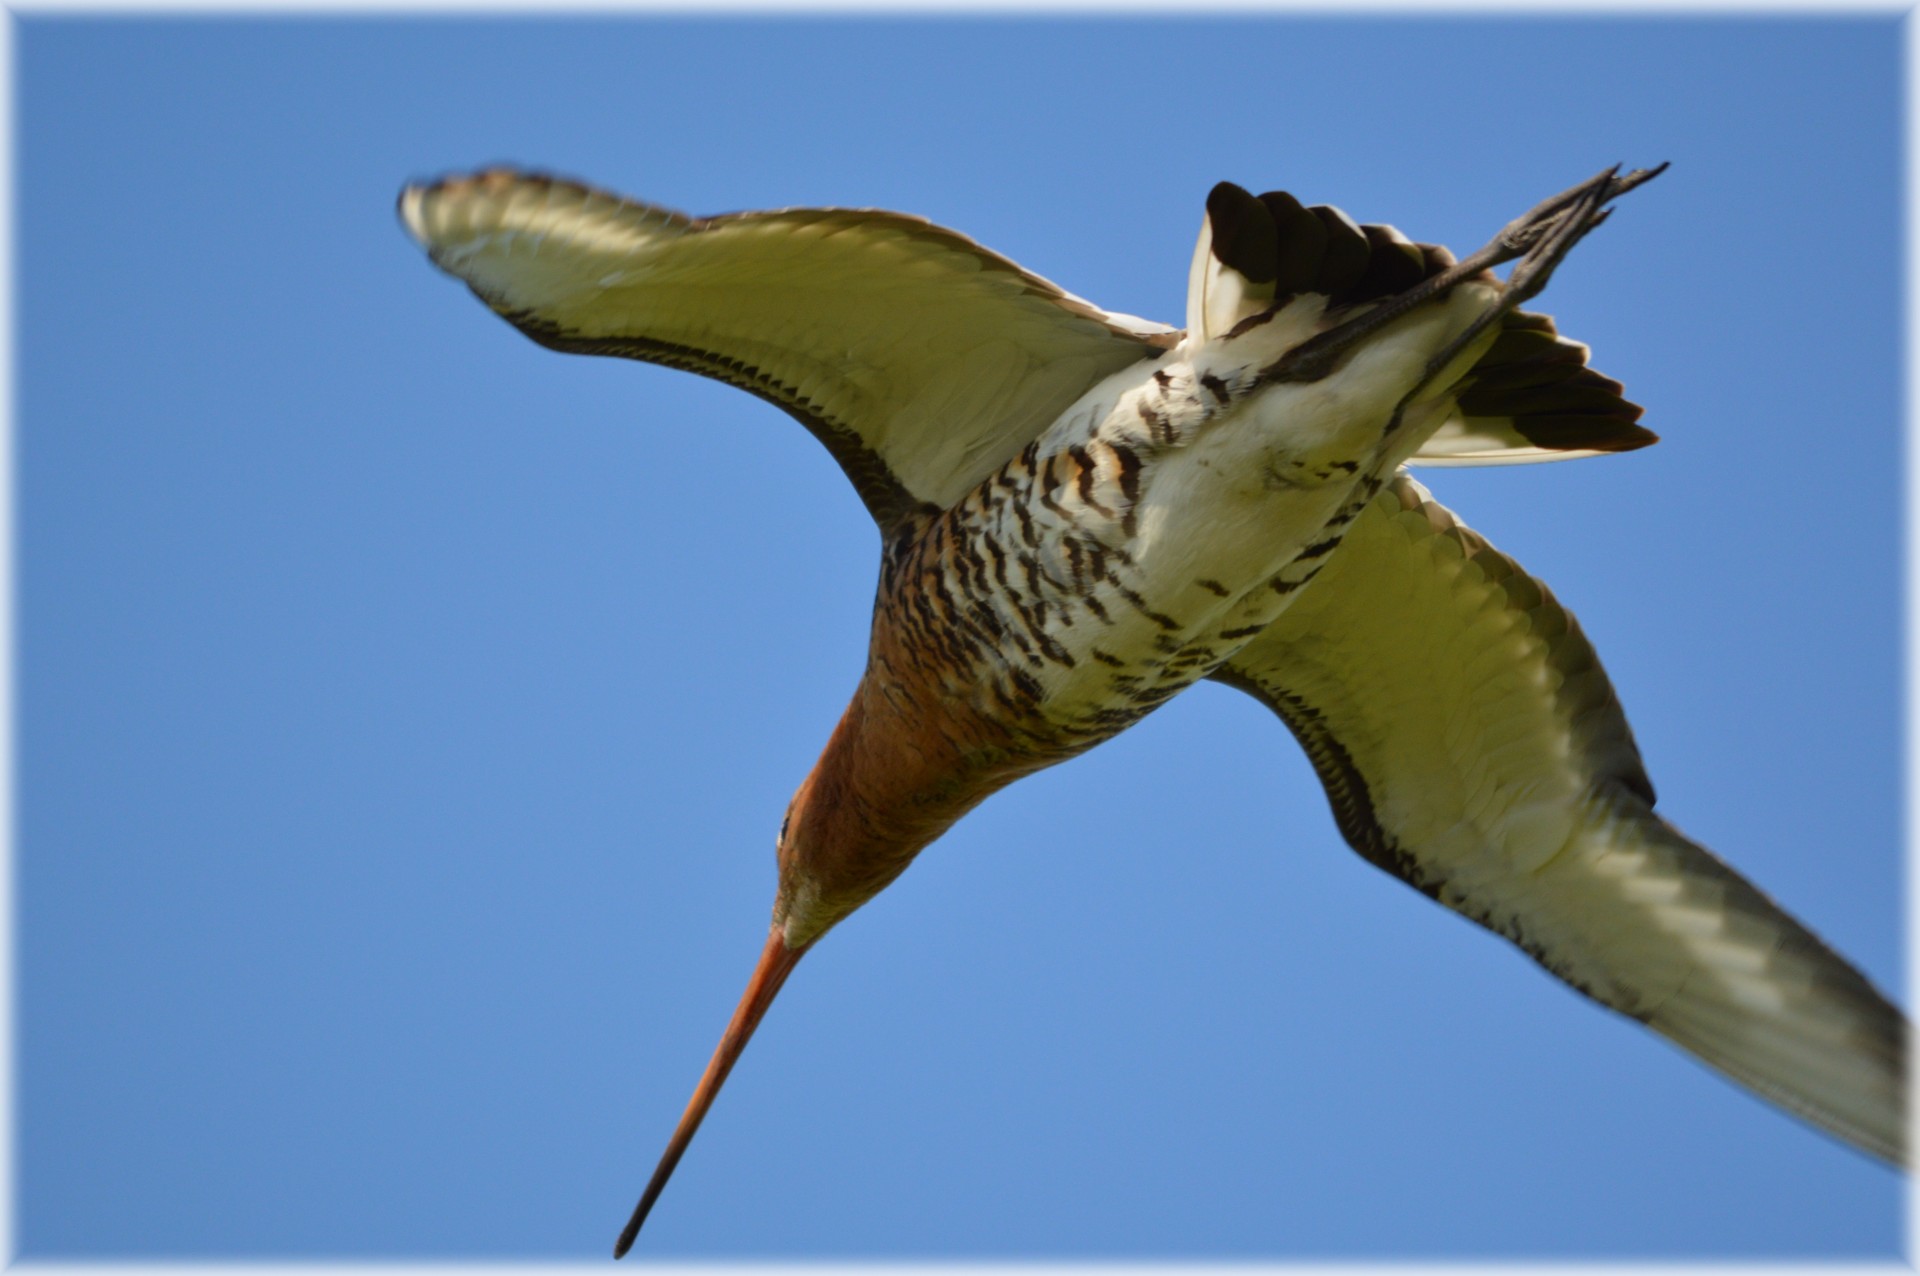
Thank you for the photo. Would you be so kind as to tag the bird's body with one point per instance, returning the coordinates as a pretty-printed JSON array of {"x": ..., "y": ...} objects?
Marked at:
[
  {"x": 1082, "y": 514},
  {"x": 1160, "y": 524}
]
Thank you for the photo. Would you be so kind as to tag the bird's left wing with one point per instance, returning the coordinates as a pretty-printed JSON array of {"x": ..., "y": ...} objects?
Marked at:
[
  {"x": 1471, "y": 744},
  {"x": 920, "y": 359}
]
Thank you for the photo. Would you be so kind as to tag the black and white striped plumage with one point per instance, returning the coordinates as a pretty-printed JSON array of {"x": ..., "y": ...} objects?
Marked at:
[{"x": 1003, "y": 433}]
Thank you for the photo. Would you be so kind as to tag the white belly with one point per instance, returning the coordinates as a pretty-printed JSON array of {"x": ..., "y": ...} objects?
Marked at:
[{"x": 1174, "y": 511}]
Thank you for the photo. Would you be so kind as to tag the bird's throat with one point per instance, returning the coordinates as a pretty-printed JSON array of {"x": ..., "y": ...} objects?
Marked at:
[{"x": 906, "y": 761}]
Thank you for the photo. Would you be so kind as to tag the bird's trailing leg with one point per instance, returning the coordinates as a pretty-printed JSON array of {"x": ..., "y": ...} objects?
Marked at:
[
  {"x": 1540, "y": 238},
  {"x": 776, "y": 963},
  {"x": 1552, "y": 235}
]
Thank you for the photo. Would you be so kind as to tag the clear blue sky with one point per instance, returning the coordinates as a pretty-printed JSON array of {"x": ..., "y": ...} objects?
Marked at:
[{"x": 407, "y": 712}]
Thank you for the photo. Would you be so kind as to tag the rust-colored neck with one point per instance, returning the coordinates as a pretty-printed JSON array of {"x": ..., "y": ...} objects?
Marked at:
[
  {"x": 903, "y": 764},
  {"x": 911, "y": 755}
]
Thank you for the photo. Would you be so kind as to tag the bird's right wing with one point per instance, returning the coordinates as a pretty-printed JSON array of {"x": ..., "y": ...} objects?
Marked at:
[
  {"x": 920, "y": 359},
  {"x": 1471, "y": 745}
]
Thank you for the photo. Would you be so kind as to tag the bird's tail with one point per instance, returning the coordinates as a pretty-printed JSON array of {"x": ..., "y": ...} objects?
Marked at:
[{"x": 1256, "y": 251}]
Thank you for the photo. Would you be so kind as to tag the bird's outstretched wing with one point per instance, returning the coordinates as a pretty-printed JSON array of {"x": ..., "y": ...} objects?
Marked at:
[
  {"x": 920, "y": 359},
  {"x": 1471, "y": 744}
]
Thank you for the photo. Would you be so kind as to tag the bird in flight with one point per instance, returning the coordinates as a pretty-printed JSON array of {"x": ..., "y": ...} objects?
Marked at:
[{"x": 1084, "y": 513}]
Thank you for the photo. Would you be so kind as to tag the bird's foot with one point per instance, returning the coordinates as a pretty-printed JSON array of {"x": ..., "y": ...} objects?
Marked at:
[{"x": 1543, "y": 237}]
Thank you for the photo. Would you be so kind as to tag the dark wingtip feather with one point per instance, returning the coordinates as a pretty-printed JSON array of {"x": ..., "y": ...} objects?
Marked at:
[
  {"x": 1594, "y": 432},
  {"x": 1394, "y": 264},
  {"x": 1273, "y": 237},
  {"x": 1302, "y": 239},
  {"x": 1244, "y": 238},
  {"x": 1541, "y": 382},
  {"x": 1345, "y": 259}
]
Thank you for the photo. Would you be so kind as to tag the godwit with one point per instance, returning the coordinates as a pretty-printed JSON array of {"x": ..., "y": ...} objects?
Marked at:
[{"x": 1083, "y": 513}]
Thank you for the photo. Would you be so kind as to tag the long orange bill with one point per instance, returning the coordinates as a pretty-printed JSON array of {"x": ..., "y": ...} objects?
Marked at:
[{"x": 776, "y": 963}]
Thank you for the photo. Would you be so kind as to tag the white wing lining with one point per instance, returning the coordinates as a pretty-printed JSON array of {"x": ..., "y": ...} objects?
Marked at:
[
  {"x": 922, "y": 360},
  {"x": 1471, "y": 744}
]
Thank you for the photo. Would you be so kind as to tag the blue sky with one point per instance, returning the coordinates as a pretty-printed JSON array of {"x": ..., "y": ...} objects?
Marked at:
[{"x": 406, "y": 712}]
